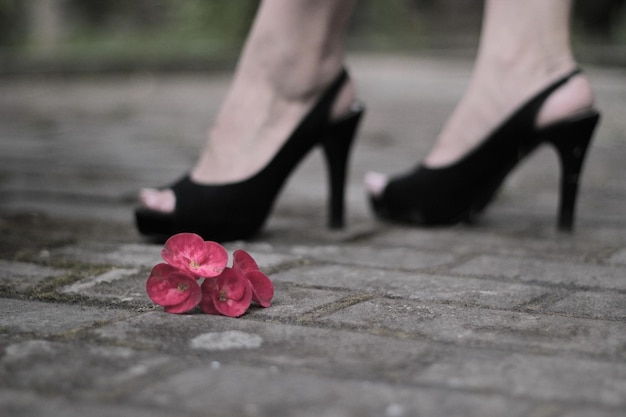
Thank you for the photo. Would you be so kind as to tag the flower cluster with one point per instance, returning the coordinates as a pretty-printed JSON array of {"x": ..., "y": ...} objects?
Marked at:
[{"x": 195, "y": 273}]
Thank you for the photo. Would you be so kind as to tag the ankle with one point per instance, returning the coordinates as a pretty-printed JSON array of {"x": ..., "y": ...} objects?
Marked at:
[{"x": 298, "y": 81}]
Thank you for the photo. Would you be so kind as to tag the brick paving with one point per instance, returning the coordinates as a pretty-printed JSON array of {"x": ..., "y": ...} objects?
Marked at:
[{"x": 504, "y": 317}]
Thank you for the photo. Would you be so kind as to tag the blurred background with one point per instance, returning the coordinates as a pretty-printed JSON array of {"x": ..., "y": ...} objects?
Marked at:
[{"x": 158, "y": 35}]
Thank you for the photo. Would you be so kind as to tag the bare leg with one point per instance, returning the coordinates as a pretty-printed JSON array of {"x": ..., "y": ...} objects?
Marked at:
[
  {"x": 524, "y": 46},
  {"x": 293, "y": 51}
]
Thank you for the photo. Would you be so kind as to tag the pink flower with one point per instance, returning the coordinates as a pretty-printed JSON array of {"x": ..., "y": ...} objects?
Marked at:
[
  {"x": 173, "y": 289},
  {"x": 189, "y": 252},
  {"x": 262, "y": 287},
  {"x": 175, "y": 285},
  {"x": 230, "y": 294}
]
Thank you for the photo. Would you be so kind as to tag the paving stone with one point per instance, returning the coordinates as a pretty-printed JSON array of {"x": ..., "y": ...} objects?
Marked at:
[
  {"x": 122, "y": 285},
  {"x": 117, "y": 254},
  {"x": 559, "y": 378},
  {"x": 16, "y": 403},
  {"x": 465, "y": 240},
  {"x": 58, "y": 369},
  {"x": 313, "y": 349},
  {"x": 415, "y": 286},
  {"x": 610, "y": 277},
  {"x": 343, "y": 356},
  {"x": 486, "y": 327},
  {"x": 393, "y": 258},
  {"x": 20, "y": 276},
  {"x": 590, "y": 411},
  {"x": 604, "y": 305},
  {"x": 272, "y": 391},
  {"x": 108, "y": 277},
  {"x": 290, "y": 303},
  {"x": 48, "y": 318},
  {"x": 619, "y": 258}
]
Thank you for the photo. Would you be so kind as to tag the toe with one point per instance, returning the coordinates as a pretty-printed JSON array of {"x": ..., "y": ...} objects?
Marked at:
[
  {"x": 158, "y": 200},
  {"x": 375, "y": 183}
]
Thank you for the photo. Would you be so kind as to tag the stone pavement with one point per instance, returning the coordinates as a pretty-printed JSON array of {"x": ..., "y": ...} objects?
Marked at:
[{"x": 503, "y": 318}]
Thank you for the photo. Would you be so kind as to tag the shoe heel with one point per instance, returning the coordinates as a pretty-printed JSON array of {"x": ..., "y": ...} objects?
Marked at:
[
  {"x": 571, "y": 141},
  {"x": 336, "y": 148}
]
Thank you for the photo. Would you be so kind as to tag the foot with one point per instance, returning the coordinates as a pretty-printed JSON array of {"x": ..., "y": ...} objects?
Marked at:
[
  {"x": 487, "y": 103},
  {"x": 254, "y": 122}
]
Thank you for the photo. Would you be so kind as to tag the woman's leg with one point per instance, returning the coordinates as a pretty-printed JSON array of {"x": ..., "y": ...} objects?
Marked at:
[
  {"x": 293, "y": 51},
  {"x": 524, "y": 46}
]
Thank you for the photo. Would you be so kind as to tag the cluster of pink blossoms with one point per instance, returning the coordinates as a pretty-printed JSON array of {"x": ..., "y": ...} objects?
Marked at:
[{"x": 195, "y": 273}]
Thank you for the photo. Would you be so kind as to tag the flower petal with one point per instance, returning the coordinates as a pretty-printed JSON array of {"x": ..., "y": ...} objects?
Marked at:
[
  {"x": 232, "y": 293},
  {"x": 189, "y": 304},
  {"x": 233, "y": 284},
  {"x": 209, "y": 287},
  {"x": 168, "y": 286},
  {"x": 232, "y": 308},
  {"x": 179, "y": 249},
  {"x": 189, "y": 252},
  {"x": 214, "y": 259},
  {"x": 262, "y": 288},
  {"x": 243, "y": 261}
]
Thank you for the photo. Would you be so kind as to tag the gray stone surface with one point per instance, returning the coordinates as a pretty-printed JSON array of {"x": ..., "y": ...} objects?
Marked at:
[
  {"x": 610, "y": 277},
  {"x": 480, "y": 326},
  {"x": 506, "y": 317},
  {"x": 419, "y": 286},
  {"x": 49, "y": 319},
  {"x": 19, "y": 276}
]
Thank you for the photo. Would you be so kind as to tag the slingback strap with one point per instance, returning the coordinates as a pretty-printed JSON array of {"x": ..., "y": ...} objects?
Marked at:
[
  {"x": 532, "y": 107},
  {"x": 332, "y": 91}
]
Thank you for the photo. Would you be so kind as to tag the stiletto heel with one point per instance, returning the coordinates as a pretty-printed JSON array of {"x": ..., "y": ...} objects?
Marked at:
[
  {"x": 571, "y": 140},
  {"x": 448, "y": 195},
  {"x": 336, "y": 147},
  {"x": 238, "y": 210}
]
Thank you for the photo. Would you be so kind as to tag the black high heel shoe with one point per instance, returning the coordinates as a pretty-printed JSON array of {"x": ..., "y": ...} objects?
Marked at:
[
  {"x": 238, "y": 210},
  {"x": 456, "y": 193}
]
